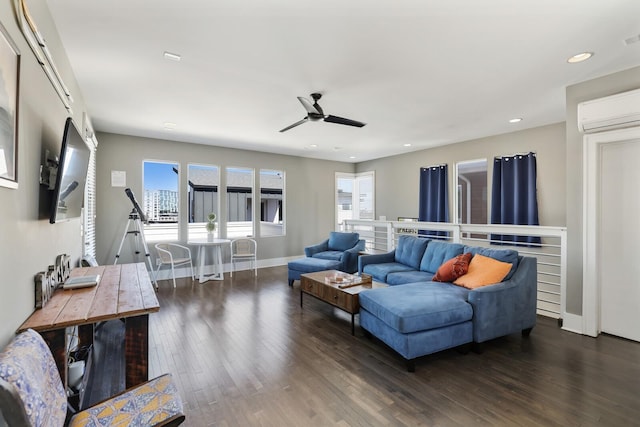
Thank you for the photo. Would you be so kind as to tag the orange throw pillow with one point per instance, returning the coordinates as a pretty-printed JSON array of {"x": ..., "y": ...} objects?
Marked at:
[
  {"x": 453, "y": 268},
  {"x": 483, "y": 271}
]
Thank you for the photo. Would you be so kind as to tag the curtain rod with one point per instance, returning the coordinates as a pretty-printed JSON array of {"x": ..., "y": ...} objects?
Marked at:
[
  {"x": 434, "y": 166},
  {"x": 516, "y": 155}
]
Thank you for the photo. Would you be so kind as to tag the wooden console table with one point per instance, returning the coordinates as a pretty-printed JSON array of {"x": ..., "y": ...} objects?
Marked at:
[{"x": 124, "y": 292}]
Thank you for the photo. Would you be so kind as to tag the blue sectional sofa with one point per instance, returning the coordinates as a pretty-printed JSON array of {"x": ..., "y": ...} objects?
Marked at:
[{"x": 417, "y": 316}]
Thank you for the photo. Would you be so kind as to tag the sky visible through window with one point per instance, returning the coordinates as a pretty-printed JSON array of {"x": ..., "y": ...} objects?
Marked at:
[{"x": 160, "y": 176}]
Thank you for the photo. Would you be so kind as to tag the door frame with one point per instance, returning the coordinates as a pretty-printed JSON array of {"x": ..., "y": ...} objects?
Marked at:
[{"x": 591, "y": 169}]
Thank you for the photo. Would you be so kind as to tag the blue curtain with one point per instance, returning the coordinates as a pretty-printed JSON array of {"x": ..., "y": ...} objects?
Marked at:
[
  {"x": 434, "y": 197},
  {"x": 514, "y": 196}
]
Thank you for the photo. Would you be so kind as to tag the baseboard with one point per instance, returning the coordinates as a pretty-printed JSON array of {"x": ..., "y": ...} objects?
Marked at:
[
  {"x": 165, "y": 273},
  {"x": 572, "y": 323}
]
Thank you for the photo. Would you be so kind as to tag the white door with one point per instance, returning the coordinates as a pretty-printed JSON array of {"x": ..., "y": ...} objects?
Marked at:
[{"x": 618, "y": 237}]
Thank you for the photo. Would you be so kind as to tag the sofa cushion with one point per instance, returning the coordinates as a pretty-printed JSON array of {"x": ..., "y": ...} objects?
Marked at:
[
  {"x": 333, "y": 255},
  {"x": 410, "y": 249},
  {"x": 342, "y": 241},
  {"x": 418, "y": 306},
  {"x": 380, "y": 271},
  {"x": 454, "y": 268},
  {"x": 483, "y": 271},
  {"x": 504, "y": 255},
  {"x": 438, "y": 253},
  {"x": 402, "y": 277},
  {"x": 310, "y": 265}
]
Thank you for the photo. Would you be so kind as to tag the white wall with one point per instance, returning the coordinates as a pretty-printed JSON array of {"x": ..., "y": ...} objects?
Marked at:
[
  {"x": 397, "y": 177},
  {"x": 28, "y": 243},
  {"x": 309, "y": 192},
  {"x": 592, "y": 89}
]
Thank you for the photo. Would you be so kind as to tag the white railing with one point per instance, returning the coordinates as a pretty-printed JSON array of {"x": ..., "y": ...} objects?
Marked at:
[{"x": 551, "y": 253}]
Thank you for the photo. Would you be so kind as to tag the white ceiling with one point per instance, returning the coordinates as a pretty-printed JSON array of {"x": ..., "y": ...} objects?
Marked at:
[{"x": 419, "y": 72}]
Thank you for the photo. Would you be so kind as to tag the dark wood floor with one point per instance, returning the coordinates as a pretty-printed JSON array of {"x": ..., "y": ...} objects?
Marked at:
[{"x": 244, "y": 353}]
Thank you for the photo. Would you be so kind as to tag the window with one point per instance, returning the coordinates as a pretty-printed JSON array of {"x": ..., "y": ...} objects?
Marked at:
[
  {"x": 271, "y": 203},
  {"x": 355, "y": 196},
  {"x": 471, "y": 194},
  {"x": 161, "y": 200},
  {"x": 89, "y": 219},
  {"x": 239, "y": 202},
  {"x": 204, "y": 198}
]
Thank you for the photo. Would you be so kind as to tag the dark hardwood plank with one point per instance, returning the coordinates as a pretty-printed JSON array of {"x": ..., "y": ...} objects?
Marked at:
[{"x": 243, "y": 352}]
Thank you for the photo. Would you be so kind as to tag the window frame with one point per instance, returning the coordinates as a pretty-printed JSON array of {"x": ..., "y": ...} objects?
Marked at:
[
  {"x": 150, "y": 236},
  {"x": 282, "y": 210}
]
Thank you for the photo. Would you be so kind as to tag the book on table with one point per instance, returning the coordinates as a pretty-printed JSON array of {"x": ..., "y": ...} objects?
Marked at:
[{"x": 81, "y": 281}]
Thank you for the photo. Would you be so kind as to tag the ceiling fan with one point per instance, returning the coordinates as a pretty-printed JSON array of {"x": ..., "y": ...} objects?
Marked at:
[{"x": 315, "y": 113}]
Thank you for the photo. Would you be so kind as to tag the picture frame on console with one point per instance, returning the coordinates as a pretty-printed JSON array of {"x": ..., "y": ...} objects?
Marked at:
[{"x": 9, "y": 88}]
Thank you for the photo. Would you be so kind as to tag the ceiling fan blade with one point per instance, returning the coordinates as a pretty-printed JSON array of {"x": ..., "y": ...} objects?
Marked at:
[
  {"x": 343, "y": 121},
  {"x": 306, "y": 119},
  {"x": 308, "y": 106}
]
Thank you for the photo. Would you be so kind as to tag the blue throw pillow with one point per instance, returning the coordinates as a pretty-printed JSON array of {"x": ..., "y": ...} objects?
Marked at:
[{"x": 342, "y": 241}]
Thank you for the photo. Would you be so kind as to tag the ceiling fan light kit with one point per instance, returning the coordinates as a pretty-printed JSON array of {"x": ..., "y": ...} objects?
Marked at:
[{"x": 315, "y": 113}]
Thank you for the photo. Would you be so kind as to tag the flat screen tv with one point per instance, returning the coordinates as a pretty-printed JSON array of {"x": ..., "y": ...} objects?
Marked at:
[{"x": 68, "y": 194}]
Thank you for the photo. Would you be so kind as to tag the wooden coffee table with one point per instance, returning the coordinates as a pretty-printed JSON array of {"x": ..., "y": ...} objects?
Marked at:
[{"x": 346, "y": 298}]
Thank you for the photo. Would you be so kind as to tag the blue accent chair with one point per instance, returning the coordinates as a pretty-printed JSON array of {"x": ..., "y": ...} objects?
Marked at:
[{"x": 339, "y": 252}]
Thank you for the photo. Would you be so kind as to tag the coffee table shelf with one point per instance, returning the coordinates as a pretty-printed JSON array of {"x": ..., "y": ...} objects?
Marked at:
[{"x": 320, "y": 286}]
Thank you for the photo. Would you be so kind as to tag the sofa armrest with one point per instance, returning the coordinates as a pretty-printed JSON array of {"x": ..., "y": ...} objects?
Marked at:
[
  {"x": 507, "y": 307},
  {"x": 314, "y": 249},
  {"x": 375, "y": 259},
  {"x": 350, "y": 257}
]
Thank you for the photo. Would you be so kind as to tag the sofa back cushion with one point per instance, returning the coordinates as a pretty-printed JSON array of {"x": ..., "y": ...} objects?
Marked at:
[
  {"x": 410, "y": 249},
  {"x": 342, "y": 241},
  {"x": 505, "y": 255},
  {"x": 438, "y": 253}
]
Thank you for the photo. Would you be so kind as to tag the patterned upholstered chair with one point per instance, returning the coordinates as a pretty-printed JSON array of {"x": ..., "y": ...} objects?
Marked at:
[{"x": 32, "y": 393}]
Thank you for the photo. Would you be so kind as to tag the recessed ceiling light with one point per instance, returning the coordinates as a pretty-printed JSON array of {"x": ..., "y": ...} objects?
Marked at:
[
  {"x": 579, "y": 57},
  {"x": 515, "y": 120},
  {"x": 169, "y": 126},
  {"x": 172, "y": 56},
  {"x": 352, "y": 157},
  {"x": 406, "y": 145},
  {"x": 314, "y": 146}
]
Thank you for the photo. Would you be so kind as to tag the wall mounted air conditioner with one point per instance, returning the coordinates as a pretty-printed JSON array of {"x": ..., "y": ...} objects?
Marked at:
[{"x": 611, "y": 112}]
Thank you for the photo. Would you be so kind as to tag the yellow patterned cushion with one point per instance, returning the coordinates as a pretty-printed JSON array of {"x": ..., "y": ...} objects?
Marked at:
[{"x": 148, "y": 404}]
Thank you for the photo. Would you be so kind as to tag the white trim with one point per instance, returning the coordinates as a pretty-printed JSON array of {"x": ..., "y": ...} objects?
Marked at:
[
  {"x": 572, "y": 323},
  {"x": 593, "y": 145},
  {"x": 165, "y": 274}
]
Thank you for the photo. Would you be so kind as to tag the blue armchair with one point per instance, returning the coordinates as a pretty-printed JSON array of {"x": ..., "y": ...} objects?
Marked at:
[{"x": 342, "y": 247}]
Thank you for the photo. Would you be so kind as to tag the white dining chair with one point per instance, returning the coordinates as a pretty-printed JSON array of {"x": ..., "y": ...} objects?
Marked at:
[
  {"x": 174, "y": 255},
  {"x": 244, "y": 249}
]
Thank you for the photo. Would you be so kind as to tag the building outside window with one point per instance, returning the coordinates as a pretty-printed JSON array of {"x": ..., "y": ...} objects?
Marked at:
[{"x": 161, "y": 201}]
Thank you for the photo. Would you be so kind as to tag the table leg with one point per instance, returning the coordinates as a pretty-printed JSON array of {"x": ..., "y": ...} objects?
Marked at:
[
  {"x": 57, "y": 342},
  {"x": 136, "y": 350},
  {"x": 217, "y": 263},
  {"x": 201, "y": 256},
  {"x": 353, "y": 330}
]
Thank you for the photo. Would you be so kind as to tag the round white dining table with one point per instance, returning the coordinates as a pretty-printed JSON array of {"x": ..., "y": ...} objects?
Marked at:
[{"x": 216, "y": 248}]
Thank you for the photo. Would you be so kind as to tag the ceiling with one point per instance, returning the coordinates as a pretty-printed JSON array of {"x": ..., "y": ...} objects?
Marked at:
[{"x": 419, "y": 72}]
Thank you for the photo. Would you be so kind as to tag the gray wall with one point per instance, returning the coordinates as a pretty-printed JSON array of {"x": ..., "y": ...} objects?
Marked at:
[
  {"x": 596, "y": 88},
  {"x": 397, "y": 177},
  {"x": 309, "y": 193},
  {"x": 29, "y": 244}
]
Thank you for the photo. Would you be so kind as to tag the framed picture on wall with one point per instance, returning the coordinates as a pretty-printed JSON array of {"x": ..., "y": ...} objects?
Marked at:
[{"x": 9, "y": 85}]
